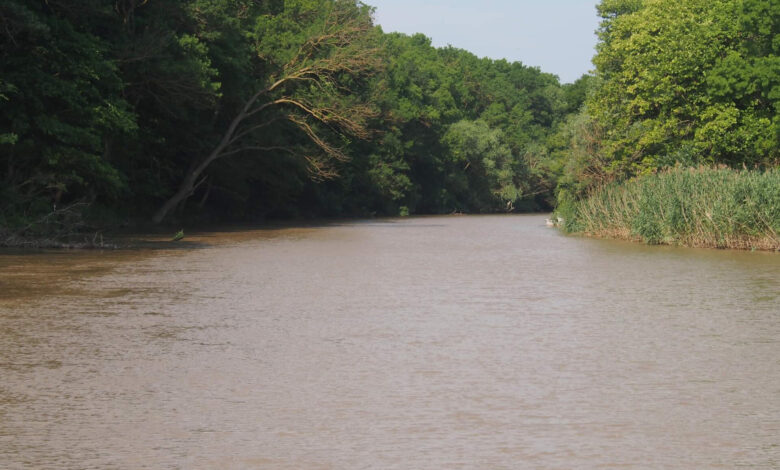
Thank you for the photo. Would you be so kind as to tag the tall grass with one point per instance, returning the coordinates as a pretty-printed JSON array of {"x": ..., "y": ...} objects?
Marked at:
[{"x": 700, "y": 207}]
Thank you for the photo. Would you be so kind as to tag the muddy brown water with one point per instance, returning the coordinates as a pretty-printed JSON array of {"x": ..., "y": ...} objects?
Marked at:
[{"x": 424, "y": 343}]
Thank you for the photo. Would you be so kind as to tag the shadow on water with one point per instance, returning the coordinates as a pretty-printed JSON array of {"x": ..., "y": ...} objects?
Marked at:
[{"x": 157, "y": 239}]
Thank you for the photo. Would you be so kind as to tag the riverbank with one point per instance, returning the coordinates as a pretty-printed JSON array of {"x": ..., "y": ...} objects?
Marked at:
[{"x": 695, "y": 207}]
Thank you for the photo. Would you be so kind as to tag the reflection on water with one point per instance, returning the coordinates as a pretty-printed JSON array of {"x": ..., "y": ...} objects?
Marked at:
[{"x": 447, "y": 342}]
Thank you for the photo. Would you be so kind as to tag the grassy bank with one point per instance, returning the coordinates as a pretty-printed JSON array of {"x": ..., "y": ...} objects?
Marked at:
[{"x": 702, "y": 207}]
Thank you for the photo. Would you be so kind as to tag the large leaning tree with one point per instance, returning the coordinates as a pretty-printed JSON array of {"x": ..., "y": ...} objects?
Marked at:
[{"x": 312, "y": 61}]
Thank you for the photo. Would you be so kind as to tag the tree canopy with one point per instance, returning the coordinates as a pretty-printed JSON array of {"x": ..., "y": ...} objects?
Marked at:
[
  {"x": 688, "y": 81},
  {"x": 249, "y": 109}
]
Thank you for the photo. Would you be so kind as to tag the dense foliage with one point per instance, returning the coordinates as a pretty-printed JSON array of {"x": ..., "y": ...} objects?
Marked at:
[
  {"x": 248, "y": 109},
  {"x": 680, "y": 82},
  {"x": 218, "y": 110}
]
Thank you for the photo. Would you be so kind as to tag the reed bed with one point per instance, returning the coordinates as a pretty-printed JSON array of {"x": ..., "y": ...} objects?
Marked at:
[{"x": 697, "y": 207}]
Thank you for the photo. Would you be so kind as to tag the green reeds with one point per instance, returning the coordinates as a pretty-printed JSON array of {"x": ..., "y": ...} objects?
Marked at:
[{"x": 700, "y": 207}]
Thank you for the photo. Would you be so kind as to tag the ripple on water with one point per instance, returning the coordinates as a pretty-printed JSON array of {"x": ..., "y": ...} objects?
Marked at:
[{"x": 441, "y": 342}]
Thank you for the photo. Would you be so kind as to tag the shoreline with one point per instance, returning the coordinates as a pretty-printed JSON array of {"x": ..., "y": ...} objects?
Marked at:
[
  {"x": 735, "y": 244},
  {"x": 142, "y": 234}
]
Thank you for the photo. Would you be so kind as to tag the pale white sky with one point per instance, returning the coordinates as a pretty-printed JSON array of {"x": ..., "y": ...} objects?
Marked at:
[{"x": 555, "y": 35}]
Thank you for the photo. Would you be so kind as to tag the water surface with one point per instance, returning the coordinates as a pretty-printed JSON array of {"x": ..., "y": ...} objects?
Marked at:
[{"x": 422, "y": 343}]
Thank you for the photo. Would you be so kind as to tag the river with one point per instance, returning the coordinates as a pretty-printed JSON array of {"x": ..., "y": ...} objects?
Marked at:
[{"x": 457, "y": 342}]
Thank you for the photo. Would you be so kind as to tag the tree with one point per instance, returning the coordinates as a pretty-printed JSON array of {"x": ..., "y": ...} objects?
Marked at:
[
  {"x": 686, "y": 81},
  {"x": 483, "y": 173},
  {"x": 311, "y": 55},
  {"x": 61, "y": 104}
]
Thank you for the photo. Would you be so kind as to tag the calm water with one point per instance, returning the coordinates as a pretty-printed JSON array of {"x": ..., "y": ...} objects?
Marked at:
[{"x": 426, "y": 343}]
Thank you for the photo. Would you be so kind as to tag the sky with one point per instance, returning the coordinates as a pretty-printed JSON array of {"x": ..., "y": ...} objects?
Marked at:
[{"x": 555, "y": 35}]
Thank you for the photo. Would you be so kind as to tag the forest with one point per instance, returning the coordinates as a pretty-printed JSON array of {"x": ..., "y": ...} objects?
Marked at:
[{"x": 130, "y": 112}]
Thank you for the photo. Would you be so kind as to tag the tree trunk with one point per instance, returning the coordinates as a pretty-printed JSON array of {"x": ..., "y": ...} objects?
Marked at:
[
  {"x": 185, "y": 190},
  {"x": 188, "y": 185}
]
